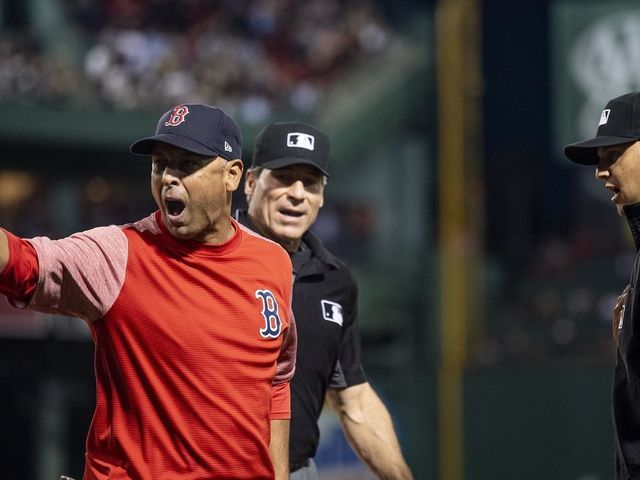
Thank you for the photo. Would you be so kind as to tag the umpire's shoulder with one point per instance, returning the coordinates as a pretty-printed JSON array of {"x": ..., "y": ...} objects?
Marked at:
[
  {"x": 344, "y": 271},
  {"x": 337, "y": 269},
  {"x": 324, "y": 254}
]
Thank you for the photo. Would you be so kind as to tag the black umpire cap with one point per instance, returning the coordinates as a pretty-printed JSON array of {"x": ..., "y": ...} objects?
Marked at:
[
  {"x": 619, "y": 123},
  {"x": 289, "y": 143}
]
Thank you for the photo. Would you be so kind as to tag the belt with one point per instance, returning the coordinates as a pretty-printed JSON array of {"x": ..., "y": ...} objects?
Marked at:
[{"x": 297, "y": 466}]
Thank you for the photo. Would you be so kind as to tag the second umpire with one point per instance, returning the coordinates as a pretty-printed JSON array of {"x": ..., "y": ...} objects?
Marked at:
[{"x": 615, "y": 154}]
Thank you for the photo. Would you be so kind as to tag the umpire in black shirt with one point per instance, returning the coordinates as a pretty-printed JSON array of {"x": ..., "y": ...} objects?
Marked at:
[
  {"x": 615, "y": 153},
  {"x": 285, "y": 191}
]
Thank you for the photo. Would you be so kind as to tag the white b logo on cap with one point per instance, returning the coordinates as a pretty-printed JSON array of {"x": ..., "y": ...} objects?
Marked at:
[
  {"x": 301, "y": 140},
  {"x": 604, "y": 117}
]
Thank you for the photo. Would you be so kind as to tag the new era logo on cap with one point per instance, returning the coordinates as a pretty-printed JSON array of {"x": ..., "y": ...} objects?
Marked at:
[
  {"x": 227, "y": 147},
  {"x": 301, "y": 140},
  {"x": 604, "y": 117}
]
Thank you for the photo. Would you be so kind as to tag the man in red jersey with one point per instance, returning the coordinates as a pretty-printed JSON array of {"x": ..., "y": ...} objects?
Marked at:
[{"x": 190, "y": 314}]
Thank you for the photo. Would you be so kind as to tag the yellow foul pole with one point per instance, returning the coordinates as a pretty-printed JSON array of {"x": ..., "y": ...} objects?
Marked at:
[{"x": 461, "y": 215}]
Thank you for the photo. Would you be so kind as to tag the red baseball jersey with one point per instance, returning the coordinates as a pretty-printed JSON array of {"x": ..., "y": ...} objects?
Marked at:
[{"x": 194, "y": 345}]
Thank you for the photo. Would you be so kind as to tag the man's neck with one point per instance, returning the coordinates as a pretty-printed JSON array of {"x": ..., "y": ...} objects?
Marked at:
[{"x": 291, "y": 246}]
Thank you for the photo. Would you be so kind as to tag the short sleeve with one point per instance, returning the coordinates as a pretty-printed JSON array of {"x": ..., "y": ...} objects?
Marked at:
[
  {"x": 348, "y": 370},
  {"x": 281, "y": 401}
]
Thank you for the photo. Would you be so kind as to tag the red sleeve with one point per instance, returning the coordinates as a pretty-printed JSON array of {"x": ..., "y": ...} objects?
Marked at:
[
  {"x": 281, "y": 401},
  {"x": 19, "y": 278},
  {"x": 281, "y": 389},
  {"x": 287, "y": 360}
]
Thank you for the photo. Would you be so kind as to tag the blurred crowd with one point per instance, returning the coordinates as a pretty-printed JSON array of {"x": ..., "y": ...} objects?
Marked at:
[
  {"x": 558, "y": 304},
  {"x": 57, "y": 209},
  {"x": 251, "y": 56},
  {"x": 29, "y": 76}
]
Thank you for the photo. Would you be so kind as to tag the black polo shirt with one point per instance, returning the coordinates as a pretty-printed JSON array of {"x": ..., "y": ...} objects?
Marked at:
[
  {"x": 325, "y": 298},
  {"x": 626, "y": 377}
]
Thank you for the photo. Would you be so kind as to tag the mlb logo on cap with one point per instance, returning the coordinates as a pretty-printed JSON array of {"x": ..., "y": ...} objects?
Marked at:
[
  {"x": 282, "y": 144},
  {"x": 604, "y": 118},
  {"x": 619, "y": 124},
  {"x": 300, "y": 140}
]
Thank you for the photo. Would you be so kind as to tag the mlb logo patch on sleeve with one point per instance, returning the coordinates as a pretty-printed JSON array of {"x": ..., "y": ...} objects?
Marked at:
[{"x": 332, "y": 311}]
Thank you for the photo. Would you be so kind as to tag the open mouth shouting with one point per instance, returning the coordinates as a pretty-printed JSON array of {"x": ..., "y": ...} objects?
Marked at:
[{"x": 174, "y": 209}]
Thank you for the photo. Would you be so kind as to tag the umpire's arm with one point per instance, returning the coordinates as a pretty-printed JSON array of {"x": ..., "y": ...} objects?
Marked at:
[{"x": 369, "y": 430}]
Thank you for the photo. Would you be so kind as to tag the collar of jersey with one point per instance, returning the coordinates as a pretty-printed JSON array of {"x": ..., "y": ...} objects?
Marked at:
[{"x": 193, "y": 247}]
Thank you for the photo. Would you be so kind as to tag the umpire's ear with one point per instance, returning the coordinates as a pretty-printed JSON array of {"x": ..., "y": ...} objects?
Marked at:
[{"x": 249, "y": 183}]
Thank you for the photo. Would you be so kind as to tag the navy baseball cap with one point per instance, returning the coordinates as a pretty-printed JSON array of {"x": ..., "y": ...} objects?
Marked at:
[
  {"x": 289, "y": 143},
  {"x": 198, "y": 128},
  {"x": 619, "y": 123}
]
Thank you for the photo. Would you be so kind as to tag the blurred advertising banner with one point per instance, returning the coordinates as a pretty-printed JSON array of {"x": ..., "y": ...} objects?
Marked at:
[{"x": 595, "y": 57}]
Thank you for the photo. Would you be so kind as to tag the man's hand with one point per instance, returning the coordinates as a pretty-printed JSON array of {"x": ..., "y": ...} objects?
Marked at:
[{"x": 618, "y": 313}]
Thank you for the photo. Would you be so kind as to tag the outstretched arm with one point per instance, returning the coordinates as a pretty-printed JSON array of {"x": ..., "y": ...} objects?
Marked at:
[{"x": 369, "y": 430}]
